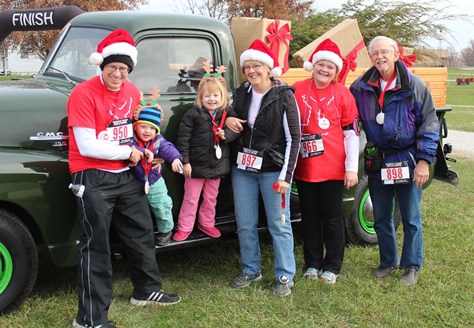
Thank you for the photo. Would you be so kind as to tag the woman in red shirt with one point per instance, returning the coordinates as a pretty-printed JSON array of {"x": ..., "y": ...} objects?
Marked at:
[{"x": 328, "y": 160}]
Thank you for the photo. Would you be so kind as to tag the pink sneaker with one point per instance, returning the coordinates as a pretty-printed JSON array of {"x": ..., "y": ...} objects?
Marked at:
[
  {"x": 210, "y": 231},
  {"x": 181, "y": 235}
]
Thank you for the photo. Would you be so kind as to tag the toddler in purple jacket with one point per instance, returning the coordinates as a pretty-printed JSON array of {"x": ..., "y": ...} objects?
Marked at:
[{"x": 147, "y": 138}]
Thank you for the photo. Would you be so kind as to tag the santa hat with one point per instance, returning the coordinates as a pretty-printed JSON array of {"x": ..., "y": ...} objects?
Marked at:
[
  {"x": 259, "y": 51},
  {"x": 118, "y": 46},
  {"x": 326, "y": 50}
]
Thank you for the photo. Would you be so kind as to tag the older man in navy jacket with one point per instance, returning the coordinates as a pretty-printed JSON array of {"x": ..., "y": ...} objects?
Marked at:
[{"x": 402, "y": 129}]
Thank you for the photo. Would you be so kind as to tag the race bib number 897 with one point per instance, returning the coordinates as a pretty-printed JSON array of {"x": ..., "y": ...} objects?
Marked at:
[{"x": 249, "y": 160}]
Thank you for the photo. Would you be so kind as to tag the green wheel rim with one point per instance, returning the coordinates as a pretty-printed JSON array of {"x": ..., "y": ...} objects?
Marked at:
[
  {"x": 366, "y": 216},
  {"x": 6, "y": 268},
  {"x": 366, "y": 213}
]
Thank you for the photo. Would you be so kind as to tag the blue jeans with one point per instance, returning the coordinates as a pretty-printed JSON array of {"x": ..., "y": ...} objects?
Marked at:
[
  {"x": 246, "y": 187},
  {"x": 409, "y": 199}
]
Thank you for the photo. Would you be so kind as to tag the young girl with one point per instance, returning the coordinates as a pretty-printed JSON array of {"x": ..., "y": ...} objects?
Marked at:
[{"x": 205, "y": 157}]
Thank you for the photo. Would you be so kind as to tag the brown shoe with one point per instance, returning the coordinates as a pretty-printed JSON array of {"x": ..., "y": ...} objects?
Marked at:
[
  {"x": 410, "y": 277},
  {"x": 382, "y": 272}
]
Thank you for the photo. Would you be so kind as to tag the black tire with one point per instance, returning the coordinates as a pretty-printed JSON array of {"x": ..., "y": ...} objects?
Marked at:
[
  {"x": 360, "y": 225},
  {"x": 18, "y": 259}
]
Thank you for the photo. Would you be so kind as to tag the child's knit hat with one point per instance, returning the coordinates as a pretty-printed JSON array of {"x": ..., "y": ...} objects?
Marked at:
[{"x": 150, "y": 115}]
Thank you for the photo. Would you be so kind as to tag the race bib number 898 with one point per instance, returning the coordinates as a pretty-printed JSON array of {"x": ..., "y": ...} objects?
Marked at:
[{"x": 395, "y": 173}]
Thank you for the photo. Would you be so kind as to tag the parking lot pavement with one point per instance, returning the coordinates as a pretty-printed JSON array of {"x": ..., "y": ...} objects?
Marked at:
[{"x": 463, "y": 143}]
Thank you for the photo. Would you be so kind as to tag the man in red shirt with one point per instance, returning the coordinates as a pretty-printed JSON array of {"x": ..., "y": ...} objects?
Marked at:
[{"x": 100, "y": 113}]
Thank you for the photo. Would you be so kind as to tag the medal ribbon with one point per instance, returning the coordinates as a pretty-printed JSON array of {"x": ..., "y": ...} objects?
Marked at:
[
  {"x": 382, "y": 94},
  {"x": 321, "y": 107},
  {"x": 144, "y": 161},
  {"x": 214, "y": 124}
]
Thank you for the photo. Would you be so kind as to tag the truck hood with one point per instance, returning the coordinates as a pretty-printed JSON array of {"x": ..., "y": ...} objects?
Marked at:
[{"x": 31, "y": 111}]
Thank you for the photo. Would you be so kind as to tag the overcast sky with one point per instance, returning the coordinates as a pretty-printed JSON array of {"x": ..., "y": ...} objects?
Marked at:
[{"x": 463, "y": 32}]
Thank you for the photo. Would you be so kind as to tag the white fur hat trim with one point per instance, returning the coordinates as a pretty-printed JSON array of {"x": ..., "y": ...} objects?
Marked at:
[{"x": 324, "y": 55}]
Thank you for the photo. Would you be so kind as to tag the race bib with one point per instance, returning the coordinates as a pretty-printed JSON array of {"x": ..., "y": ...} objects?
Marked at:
[
  {"x": 395, "y": 173},
  {"x": 120, "y": 131},
  {"x": 249, "y": 160},
  {"x": 311, "y": 145}
]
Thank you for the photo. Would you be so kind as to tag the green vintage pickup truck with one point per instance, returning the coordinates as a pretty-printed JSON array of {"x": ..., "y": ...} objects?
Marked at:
[{"x": 36, "y": 206}]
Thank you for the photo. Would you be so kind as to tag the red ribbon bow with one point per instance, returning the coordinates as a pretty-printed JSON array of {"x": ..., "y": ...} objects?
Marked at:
[
  {"x": 408, "y": 60},
  {"x": 349, "y": 63},
  {"x": 275, "y": 188},
  {"x": 276, "y": 36}
]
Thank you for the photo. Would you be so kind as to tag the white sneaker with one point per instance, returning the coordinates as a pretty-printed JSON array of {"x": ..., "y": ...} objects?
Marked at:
[
  {"x": 329, "y": 277},
  {"x": 312, "y": 273}
]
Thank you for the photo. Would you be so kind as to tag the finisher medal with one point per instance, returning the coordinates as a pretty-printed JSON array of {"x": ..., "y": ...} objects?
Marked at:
[
  {"x": 218, "y": 151},
  {"x": 323, "y": 123},
  {"x": 147, "y": 187},
  {"x": 380, "y": 118}
]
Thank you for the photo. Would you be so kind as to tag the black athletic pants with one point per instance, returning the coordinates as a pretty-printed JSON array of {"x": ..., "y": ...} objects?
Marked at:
[
  {"x": 322, "y": 223},
  {"x": 116, "y": 199}
]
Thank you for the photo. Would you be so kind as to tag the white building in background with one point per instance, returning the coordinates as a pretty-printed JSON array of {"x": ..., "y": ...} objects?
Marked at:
[{"x": 19, "y": 64}]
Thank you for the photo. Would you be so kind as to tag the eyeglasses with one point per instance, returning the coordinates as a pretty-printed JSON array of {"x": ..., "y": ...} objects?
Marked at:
[
  {"x": 382, "y": 52},
  {"x": 122, "y": 70},
  {"x": 254, "y": 67}
]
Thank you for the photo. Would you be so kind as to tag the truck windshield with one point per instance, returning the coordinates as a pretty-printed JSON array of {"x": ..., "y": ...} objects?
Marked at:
[
  {"x": 73, "y": 54},
  {"x": 172, "y": 64}
]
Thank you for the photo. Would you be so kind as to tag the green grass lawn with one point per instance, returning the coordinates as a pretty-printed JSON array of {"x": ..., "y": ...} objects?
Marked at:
[
  {"x": 202, "y": 275},
  {"x": 461, "y": 99},
  {"x": 9, "y": 77}
]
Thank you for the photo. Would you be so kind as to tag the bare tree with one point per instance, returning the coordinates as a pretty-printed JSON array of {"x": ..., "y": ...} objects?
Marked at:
[
  {"x": 224, "y": 10},
  {"x": 467, "y": 54},
  {"x": 454, "y": 59},
  {"x": 212, "y": 8}
]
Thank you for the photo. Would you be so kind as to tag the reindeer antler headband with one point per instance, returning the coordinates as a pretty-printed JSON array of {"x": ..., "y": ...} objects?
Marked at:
[
  {"x": 148, "y": 102},
  {"x": 216, "y": 74}
]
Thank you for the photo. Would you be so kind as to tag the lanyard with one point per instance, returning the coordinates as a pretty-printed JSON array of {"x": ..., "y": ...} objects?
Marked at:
[
  {"x": 214, "y": 124},
  {"x": 321, "y": 108},
  {"x": 144, "y": 161},
  {"x": 382, "y": 94}
]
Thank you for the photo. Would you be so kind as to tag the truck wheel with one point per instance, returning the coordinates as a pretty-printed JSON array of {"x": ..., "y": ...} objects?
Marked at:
[
  {"x": 360, "y": 225},
  {"x": 18, "y": 262}
]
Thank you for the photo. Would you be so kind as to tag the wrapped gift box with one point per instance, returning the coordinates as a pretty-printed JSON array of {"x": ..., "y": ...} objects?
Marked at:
[
  {"x": 346, "y": 35},
  {"x": 245, "y": 30}
]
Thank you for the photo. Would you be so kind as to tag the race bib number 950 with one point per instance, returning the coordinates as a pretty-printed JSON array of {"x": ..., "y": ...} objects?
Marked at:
[{"x": 120, "y": 131}]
